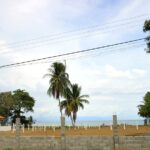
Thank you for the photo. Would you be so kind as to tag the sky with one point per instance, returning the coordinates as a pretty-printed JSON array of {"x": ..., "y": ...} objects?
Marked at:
[{"x": 116, "y": 78}]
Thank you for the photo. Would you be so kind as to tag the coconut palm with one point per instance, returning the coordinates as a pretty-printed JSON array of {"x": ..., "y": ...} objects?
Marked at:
[
  {"x": 58, "y": 82},
  {"x": 66, "y": 104},
  {"x": 146, "y": 28},
  {"x": 74, "y": 101}
]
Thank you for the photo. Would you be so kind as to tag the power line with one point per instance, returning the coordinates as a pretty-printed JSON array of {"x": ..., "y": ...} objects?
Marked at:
[
  {"x": 70, "y": 53},
  {"x": 87, "y": 55},
  {"x": 139, "y": 16},
  {"x": 111, "y": 51},
  {"x": 34, "y": 45},
  {"x": 52, "y": 42},
  {"x": 51, "y": 38}
]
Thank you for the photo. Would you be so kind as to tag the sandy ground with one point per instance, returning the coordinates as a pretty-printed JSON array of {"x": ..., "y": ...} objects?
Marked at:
[{"x": 103, "y": 131}]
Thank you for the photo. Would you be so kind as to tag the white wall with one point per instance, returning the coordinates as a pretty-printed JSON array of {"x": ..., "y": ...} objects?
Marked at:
[{"x": 5, "y": 128}]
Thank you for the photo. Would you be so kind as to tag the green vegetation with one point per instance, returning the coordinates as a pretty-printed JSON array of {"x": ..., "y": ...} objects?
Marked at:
[
  {"x": 146, "y": 28},
  {"x": 7, "y": 104},
  {"x": 23, "y": 102},
  {"x": 74, "y": 101},
  {"x": 60, "y": 86},
  {"x": 58, "y": 82},
  {"x": 144, "y": 108},
  {"x": 15, "y": 104}
]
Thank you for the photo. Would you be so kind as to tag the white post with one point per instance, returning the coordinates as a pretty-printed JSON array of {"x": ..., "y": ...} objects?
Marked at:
[
  {"x": 124, "y": 126},
  {"x": 111, "y": 127},
  {"x": 32, "y": 128},
  {"x": 23, "y": 128},
  {"x": 85, "y": 127},
  {"x": 14, "y": 127},
  {"x": 137, "y": 127},
  {"x": 28, "y": 127},
  {"x": 54, "y": 128},
  {"x": 99, "y": 127},
  {"x": 45, "y": 128},
  {"x": 69, "y": 127}
]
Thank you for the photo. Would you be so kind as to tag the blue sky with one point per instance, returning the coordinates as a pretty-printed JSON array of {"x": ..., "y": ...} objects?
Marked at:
[{"x": 116, "y": 81}]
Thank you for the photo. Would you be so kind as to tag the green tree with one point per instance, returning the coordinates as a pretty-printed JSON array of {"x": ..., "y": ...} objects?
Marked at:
[
  {"x": 14, "y": 104},
  {"x": 58, "y": 82},
  {"x": 146, "y": 28},
  {"x": 74, "y": 101},
  {"x": 6, "y": 104},
  {"x": 23, "y": 102},
  {"x": 144, "y": 108}
]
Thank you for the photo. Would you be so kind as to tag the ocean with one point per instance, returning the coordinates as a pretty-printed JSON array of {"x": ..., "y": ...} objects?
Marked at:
[{"x": 93, "y": 123}]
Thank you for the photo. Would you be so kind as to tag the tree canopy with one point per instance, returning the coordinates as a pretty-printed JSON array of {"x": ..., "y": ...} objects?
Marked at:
[
  {"x": 74, "y": 101},
  {"x": 23, "y": 102},
  {"x": 146, "y": 28},
  {"x": 60, "y": 86},
  {"x": 144, "y": 108},
  {"x": 14, "y": 104},
  {"x": 6, "y": 104},
  {"x": 58, "y": 81}
]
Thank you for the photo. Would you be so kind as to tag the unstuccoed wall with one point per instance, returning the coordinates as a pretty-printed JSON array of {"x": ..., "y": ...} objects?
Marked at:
[{"x": 78, "y": 143}]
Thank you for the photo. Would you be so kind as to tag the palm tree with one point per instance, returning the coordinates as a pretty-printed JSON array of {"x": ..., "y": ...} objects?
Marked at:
[
  {"x": 146, "y": 28},
  {"x": 74, "y": 101},
  {"x": 58, "y": 82}
]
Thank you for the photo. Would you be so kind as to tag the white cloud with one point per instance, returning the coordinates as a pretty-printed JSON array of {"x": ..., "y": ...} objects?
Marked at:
[
  {"x": 107, "y": 79},
  {"x": 114, "y": 73},
  {"x": 134, "y": 7},
  {"x": 139, "y": 72},
  {"x": 3, "y": 47}
]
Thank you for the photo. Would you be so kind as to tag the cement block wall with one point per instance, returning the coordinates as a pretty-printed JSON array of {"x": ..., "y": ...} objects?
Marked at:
[
  {"x": 78, "y": 143},
  {"x": 135, "y": 142},
  {"x": 41, "y": 143},
  {"x": 89, "y": 143}
]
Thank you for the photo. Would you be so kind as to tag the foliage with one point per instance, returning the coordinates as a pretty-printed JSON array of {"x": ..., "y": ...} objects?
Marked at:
[
  {"x": 58, "y": 81},
  {"x": 23, "y": 102},
  {"x": 6, "y": 104},
  {"x": 146, "y": 28},
  {"x": 74, "y": 101},
  {"x": 144, "y": 108},
  {"x": 13, "y": 104},
  {"x": 60, "y": 86},
  {"x": 24, "y": 120}
]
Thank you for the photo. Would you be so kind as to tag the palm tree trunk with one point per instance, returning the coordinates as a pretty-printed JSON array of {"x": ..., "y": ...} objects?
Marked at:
[
  {"x": 71, "y": 120},
  {"x": 60, "y": 108},
  {"x": 74, "y": 119}
]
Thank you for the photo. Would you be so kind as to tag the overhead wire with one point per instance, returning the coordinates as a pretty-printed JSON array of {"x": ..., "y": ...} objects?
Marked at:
[
  {"x": 57, "y": 37},
  {"x": 72, "y": 53},
  {"x": 96, "y": 54},
  {"x": 84, "y": 28},
  {"x": 109, "y": 51},
  {"x": 7, "y": 51}
]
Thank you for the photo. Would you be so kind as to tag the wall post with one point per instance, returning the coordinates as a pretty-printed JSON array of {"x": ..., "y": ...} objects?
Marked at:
[
  {"x": 115, "y": 132},
  {"x": 18, "y": 125}
]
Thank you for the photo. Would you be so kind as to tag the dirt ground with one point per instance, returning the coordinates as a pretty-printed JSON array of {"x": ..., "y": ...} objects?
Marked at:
[{"x": 103, "y": 131}]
